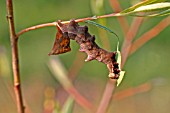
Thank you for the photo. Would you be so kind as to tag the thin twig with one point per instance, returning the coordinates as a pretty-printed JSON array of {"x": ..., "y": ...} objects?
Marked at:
[
  {"x": 80, "y": 99},
  {"x": 150, "y": 34},
  {"x": 129, "y": 38},
  {"x": 15, "y": 59},
  {"x": 36, "y": 27},
  {"x": 133, "y": 91},
  {"x": 107, "y": 96},
  {"x": 64, "y": 22}
]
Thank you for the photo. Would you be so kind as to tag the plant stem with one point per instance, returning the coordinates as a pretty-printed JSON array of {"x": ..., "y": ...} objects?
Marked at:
[
  {"x": 150, "y": 34},
  {"x": 107, "y": 96},
  {"x": 15, "y": 59},
  {"x": 129, "y": 38},
  {"x": 36, "y": 27},
  {"x": 133, "y": 91},
  {"x": 65, "y": 22}
]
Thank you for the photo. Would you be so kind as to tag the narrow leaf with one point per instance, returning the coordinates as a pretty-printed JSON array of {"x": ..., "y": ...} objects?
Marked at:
[
  {"x": 157, "y": 9},
  {"x": 153, "y": 7},
  {"x": 68, "y": 106},
  {"x": 101, "y": 26},
  {"x": 143, "y": 3},
  {"x": 59, "y": 72},
  {"x": 122, "y": 73},
  {"x": 152, "y": 14},
  {"x": 163, "y": 13},
  {"x": 118, "y": 58}
]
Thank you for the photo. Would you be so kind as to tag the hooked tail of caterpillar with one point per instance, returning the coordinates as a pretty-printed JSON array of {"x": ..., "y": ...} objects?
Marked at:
[{"x": 61, "y": 44}]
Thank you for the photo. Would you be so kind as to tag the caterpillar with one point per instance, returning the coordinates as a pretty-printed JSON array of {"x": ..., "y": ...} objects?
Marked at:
[{"x": 87, "y": 44}]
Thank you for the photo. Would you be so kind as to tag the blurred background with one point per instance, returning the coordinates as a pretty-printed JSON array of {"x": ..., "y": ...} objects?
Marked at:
[{"x": 145, "y": 88}]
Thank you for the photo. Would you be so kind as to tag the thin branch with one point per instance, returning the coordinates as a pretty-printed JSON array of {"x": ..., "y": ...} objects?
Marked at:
[
  {"x": 80, "y": 99},
  {"x": 107, "y": 96},
  {"x": 15, "y": 59},
  {"x": 150, "y": 34},
  {"x": 133, "y": 91},
  {"x": 129, "y": 37},
  {"x": 36, "y": 27},
  {"x": 64, "y": 22}
]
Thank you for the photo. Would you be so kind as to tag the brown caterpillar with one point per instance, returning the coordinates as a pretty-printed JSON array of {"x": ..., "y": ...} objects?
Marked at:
[{"x": 87, "y": 44}]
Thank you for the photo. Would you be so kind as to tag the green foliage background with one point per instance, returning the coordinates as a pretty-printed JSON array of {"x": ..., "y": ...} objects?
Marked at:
[{"x": 149, "y": 64}]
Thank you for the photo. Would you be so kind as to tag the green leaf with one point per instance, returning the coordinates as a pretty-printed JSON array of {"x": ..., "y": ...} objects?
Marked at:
[
  {"x": 103, "y": 27},
  {"x": 163, "y": 13},
  {"x": 59, "y": 72},
  {"x": 158, "y": 9},
  {"x": 153, "y": 14},
  {"x": 118, "y": 59},
  {"x": 153, "y": 7},
  {"x": 143, "y": 3},
  {"x": 68, "y": 106},
  {"x": 122, "y": 73},
  {"x": 148, "y": 8}
]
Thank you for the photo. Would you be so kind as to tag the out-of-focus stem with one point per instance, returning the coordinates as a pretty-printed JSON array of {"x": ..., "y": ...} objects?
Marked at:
[
  {"x": 107, "y": 96},
  {"x": 60, "y": 74},
  {"x": 15, "y": 59},
  {"x": 150, "y": 34},
  {"x": 133, "y": 91},
  {"x": 122, "y": 20},
  {"x": 129, "y": 38}
]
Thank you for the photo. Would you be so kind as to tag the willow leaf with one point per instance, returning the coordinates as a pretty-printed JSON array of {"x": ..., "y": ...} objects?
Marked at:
[
  {"x": 103, "y": 27},
  {"x": 122, "y": 73},
  {"x": 143, "y": 3},
  {"x": 153, "y": 14},
  {"x": 68, "y": 106},
  {"x": 157, "y": 9},
  {"x": 153, "y": 7}
]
